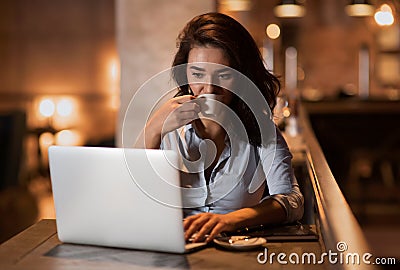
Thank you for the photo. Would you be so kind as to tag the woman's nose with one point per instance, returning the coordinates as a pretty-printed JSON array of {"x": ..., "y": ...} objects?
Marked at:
[{"x": 209, "y": 88}]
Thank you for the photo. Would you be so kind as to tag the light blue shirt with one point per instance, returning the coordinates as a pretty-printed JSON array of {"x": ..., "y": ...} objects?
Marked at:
[{"x": 243, "y": 176}]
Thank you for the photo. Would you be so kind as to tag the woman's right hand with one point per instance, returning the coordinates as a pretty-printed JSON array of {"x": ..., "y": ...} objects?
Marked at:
[{"x": 174, "y": 114}]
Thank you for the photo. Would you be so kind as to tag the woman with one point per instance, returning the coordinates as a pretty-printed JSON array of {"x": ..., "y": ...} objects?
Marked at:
[{"x": 207, "y": 45}]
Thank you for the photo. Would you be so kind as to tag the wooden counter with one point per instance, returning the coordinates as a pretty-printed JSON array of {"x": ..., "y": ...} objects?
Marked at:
[{"x": 39, "y": 248}]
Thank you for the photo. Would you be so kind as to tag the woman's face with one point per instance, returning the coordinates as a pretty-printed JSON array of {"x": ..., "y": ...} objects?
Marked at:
[{"x": 205, "y": 77}]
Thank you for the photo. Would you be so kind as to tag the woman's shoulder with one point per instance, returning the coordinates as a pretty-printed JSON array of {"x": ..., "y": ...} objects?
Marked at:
[
  {"x": 276, "y": 145},
  {"x": 280, "y": 140}
]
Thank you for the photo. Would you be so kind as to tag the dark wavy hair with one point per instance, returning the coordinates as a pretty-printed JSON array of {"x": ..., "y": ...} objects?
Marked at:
[{"x": 221, "y": 31}]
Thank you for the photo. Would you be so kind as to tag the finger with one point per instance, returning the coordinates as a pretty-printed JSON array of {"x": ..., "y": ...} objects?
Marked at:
[
  {"x": 177, "y": 119},
  {"x": 188, "y": 116},
  {"x": 187, "y": 221},
  {"x": 190, "y": 106},
  {"x": 195, "y": 225},
  {"x": 205, "y": 229},
  {"x": 215, "y": 232},
  {"x": 183, "y": 99},
  {"x": 193, "y": 228}
]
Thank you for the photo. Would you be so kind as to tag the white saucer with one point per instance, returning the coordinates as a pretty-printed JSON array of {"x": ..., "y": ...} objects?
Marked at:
[{"x": 240, "y": 242}]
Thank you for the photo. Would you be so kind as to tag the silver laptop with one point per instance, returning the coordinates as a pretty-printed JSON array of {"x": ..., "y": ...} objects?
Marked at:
[{"x": 118, "y": 197}]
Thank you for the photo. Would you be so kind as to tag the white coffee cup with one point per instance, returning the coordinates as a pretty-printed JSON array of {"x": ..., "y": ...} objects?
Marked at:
[{"x": 209, "y": 104}]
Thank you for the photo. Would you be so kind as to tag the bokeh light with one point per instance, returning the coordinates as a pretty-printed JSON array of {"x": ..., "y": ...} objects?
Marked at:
[
  {"x": 273, "y": 31},
  {"x": 384, "y": 16},
  {"x": 68, "y": 138},
  {"x": 47, "y": 107},
  {"x": 65, "y": 107}
]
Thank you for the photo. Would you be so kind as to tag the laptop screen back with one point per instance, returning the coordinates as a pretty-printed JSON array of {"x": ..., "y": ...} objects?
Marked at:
[{"x": 117, "y": 197}]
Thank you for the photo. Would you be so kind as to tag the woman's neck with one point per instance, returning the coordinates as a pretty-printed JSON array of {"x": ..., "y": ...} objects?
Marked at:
[{"x": 208, "y": 129}]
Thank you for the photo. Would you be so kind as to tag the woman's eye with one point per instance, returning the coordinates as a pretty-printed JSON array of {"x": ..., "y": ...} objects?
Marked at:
[
  {"x": 197, "y": 75},
  {"x": 226, "y": 76}
]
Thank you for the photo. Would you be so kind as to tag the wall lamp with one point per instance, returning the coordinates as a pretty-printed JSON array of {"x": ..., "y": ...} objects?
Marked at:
[
  {"x": 236, "y": 5},
  {"x": 360, "y": 8},
  {"x": 289, "y": 9}
]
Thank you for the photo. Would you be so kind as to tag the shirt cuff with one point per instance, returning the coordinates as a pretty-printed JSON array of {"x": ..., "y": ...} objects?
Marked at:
[{"x": 293, "y": 203}]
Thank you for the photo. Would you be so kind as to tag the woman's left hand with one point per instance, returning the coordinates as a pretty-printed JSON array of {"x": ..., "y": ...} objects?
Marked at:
[{"x": 207, "y": 223}]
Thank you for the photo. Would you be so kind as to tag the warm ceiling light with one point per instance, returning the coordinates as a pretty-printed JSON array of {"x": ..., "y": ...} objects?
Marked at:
[
  {"x": 359, "y": 8},
  {"x": 289, "y": 9},
  {"x": 384, "y": 15},
  {"x": 236, "y": 5}
]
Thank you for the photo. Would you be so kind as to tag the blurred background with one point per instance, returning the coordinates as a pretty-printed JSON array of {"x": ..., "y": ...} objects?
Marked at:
[{"x": 70, "y": 67}]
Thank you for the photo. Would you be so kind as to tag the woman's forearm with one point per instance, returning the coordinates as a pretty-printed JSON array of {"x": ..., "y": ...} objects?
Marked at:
[
  {"x": 267, "y": 212},
  {"x": 149, "y": 138},
  {"x": 152, "y": 138}
]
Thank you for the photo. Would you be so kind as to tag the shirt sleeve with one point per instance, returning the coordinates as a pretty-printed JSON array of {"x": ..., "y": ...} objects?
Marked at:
[{"x": 281, "y": 181}]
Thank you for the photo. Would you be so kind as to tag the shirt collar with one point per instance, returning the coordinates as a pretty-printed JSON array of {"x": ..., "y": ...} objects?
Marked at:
[{"x": 226, "y": 153}]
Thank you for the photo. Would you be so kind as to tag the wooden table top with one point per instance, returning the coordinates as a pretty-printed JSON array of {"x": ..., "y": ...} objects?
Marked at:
[{"x": 38, "y": 247}]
